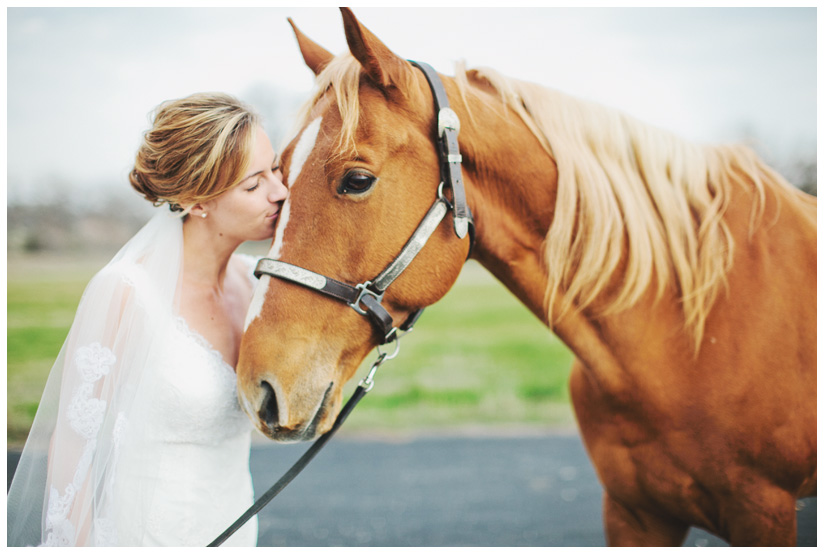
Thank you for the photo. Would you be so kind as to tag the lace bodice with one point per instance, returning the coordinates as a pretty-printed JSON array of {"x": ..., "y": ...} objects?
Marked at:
[{"x": 196, "y": 399}]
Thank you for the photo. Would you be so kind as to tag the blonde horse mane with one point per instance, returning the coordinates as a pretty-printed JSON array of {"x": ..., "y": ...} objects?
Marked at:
[
  {"x": 634, "y": 198},
  {"x": 630, "y": 197}
]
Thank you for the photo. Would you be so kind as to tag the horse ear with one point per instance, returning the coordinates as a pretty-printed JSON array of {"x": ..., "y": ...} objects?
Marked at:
[
  {"x": 315, "y": 56},
  {"x": 380, "y": 63}
]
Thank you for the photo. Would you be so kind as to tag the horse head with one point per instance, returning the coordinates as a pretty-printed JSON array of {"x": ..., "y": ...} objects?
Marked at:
[{"x": 362, "y": 172}]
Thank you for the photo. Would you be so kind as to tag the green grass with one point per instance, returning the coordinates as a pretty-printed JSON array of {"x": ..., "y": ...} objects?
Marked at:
[
  {"x": 42, "y": 295},
  {"x": 478, "y": 357}
]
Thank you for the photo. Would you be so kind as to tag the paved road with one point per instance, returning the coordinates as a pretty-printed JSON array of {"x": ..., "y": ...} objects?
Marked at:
[
  {"x": 509, "y": 491},
  {"x": 462, "y": 491}
]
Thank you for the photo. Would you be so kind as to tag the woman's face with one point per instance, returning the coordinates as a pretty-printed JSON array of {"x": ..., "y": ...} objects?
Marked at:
[{"x": 247, "y": 211}]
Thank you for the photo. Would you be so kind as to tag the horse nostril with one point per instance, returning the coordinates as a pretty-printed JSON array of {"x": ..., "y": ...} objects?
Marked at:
[{"x": 269, "y": 407}]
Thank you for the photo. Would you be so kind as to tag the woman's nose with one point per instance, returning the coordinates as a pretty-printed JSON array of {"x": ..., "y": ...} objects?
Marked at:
[{"x": 278, "y": 190}]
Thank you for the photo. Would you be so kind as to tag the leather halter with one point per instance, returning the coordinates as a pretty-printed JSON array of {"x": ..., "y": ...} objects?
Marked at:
[{"x": 365, "y": 298}]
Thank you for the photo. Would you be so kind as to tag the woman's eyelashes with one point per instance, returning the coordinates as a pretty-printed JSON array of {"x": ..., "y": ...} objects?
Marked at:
[{"x": 259, "y": 179}]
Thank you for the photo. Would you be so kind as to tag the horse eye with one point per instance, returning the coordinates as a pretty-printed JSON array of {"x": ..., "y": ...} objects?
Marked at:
[{"x": 356, "y": 182}]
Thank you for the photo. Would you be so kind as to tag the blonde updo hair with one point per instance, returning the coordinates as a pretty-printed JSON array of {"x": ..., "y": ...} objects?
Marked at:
[{"x": 197, "y": 148}]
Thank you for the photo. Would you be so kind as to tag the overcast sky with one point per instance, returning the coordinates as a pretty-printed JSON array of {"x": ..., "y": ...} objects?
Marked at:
[{"x": 82, "y": 82}]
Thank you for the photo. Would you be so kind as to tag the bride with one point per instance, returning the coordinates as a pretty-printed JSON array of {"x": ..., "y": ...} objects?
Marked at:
[{"x": 139, "y": 439}]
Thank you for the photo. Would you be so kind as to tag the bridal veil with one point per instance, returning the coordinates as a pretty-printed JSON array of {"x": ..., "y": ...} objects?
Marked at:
[{"x": 91, "y": 410}]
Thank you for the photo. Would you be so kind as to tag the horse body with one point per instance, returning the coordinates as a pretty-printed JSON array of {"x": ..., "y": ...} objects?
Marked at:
[
  {"x": 711, "y": 424},
  {"x": 723, "y": 438},
  {"x": 726, "y": 440}
]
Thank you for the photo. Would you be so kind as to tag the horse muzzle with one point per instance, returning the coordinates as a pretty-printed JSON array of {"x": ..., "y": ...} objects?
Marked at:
[{"x": 280, "y": 422}]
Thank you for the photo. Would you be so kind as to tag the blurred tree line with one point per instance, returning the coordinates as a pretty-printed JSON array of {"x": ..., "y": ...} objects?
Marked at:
[
  {"x": 50, "y": 214},
  {"x": 57, "y": 223},
  {"x": 805, "y": 176}
]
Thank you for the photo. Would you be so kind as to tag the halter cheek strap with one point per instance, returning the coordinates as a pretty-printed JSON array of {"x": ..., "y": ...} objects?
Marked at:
[{"x": 447, "y": 142}]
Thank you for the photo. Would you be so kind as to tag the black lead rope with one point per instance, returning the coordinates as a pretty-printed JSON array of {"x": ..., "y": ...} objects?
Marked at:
[{"x": 357, "y": 395}]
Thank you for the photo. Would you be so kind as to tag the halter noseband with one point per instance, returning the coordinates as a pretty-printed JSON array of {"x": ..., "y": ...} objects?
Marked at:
[{"x": 365, "y": 298}]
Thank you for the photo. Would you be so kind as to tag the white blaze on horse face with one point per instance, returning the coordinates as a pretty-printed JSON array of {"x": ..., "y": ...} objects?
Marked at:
[
  {"x": 302, "y": 151},
  {"x": 278, "y": 243},
  {"x": 257, "y": 303},
  {"x": 299, "y": 156}
]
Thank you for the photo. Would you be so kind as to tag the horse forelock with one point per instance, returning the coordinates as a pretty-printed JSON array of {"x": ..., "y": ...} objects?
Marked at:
[
  {"x": 630, "y": 197},
  {"x": 342, "y": 78}
]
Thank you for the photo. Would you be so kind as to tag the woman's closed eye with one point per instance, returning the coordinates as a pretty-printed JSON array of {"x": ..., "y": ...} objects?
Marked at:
[{"x": 260, "y": 178}]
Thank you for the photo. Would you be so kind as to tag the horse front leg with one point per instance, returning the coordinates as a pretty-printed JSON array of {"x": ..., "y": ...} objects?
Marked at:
[
  {"x": 765, "y": 517},
  {"x": 601, "y": 424},
  {"x": 633, "y": 527}
]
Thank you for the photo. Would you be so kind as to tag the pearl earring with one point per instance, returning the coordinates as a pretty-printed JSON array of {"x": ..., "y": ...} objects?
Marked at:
[{"x": 203, "y": 215}]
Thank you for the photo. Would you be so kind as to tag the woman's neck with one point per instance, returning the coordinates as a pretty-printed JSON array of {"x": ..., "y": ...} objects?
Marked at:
[{"x": 206, "y": 254}]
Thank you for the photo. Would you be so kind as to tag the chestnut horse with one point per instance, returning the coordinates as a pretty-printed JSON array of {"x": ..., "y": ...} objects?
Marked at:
[{"x": 682, "y": 277}]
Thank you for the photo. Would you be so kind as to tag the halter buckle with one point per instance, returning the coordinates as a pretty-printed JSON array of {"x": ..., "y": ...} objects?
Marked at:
[
  {"x": 363, "y": 289},
  {"x": 448, "y": 119}
]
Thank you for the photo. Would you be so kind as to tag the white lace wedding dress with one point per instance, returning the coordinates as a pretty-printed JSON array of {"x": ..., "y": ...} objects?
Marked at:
[{"x": 139, "y": 438}]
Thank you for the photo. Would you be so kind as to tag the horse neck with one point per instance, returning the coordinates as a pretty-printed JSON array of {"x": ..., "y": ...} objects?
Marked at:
[
  {"x": 511, "y": 188},
  {"x": 510, "y": 181}
]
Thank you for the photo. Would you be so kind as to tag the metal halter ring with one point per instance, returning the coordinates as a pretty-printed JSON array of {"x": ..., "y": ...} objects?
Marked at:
[
  {"x": 395, "y": 351},
  {"x": 444, "y": 199},
  {"x": 367, "y": 383}
]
